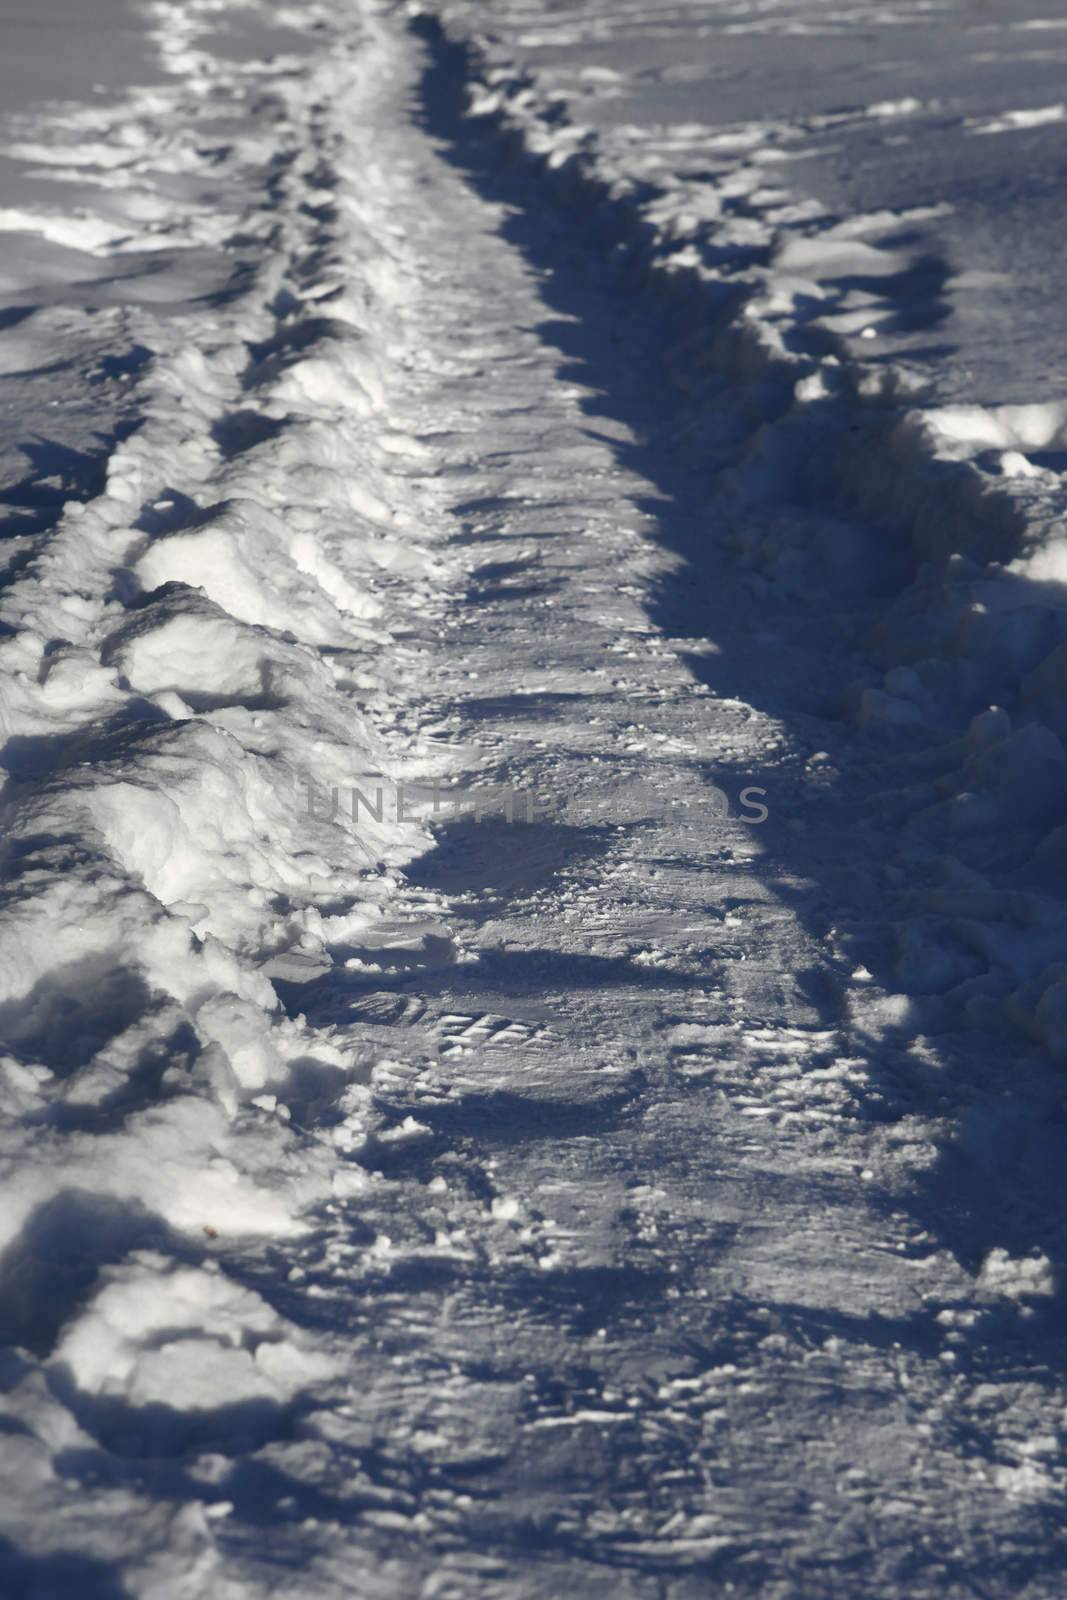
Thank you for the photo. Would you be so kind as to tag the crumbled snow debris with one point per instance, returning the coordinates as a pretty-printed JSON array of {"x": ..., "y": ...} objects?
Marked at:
[
  {"x": 150, "y": 1311},
  {"x": 1016, "y": 1279}
]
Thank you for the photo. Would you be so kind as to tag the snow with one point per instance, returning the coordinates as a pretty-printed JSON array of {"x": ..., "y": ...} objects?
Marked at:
[
  {"x": 638, "y": 1189},
  {"x": 969, "y": 601}
]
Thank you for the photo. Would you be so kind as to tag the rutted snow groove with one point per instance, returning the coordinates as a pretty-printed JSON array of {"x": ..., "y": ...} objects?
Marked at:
[{"x": 933, "y": 531}]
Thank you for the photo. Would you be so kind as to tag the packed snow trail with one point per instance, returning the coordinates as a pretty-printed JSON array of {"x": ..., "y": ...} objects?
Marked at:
[{"x": 523, "y": 1192}]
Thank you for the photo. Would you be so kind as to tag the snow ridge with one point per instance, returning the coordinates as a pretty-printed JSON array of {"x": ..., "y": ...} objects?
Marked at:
[{"x": 191, "y": 661}]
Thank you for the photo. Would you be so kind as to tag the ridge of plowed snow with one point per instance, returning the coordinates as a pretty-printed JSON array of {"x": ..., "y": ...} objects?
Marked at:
[{"x": 189, "y": 659}]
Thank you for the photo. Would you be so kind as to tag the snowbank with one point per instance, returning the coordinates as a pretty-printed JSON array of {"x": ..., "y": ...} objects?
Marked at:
[{"x": 184, "y": 656}]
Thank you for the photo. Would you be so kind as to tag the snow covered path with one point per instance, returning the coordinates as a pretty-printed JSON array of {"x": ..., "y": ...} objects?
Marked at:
[{"x": 460, "y": 1203}]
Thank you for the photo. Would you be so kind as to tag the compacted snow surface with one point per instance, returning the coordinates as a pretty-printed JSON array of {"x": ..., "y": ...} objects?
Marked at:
[{"x": 533, "y": 678}]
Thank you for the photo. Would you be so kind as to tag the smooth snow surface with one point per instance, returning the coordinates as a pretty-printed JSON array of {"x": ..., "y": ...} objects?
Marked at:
[{"x": 533, "y": 989}]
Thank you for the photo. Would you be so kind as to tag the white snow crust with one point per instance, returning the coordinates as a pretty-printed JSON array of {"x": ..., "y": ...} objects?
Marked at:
[{"x": 596, "y": 414}]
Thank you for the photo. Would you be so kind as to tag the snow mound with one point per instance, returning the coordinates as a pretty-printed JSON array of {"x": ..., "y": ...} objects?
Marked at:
[{"x": 155, "y": 1329}]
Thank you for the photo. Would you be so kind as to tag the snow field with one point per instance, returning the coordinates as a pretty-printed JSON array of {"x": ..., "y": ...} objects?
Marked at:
[{"x": 529, "y": 1211}]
